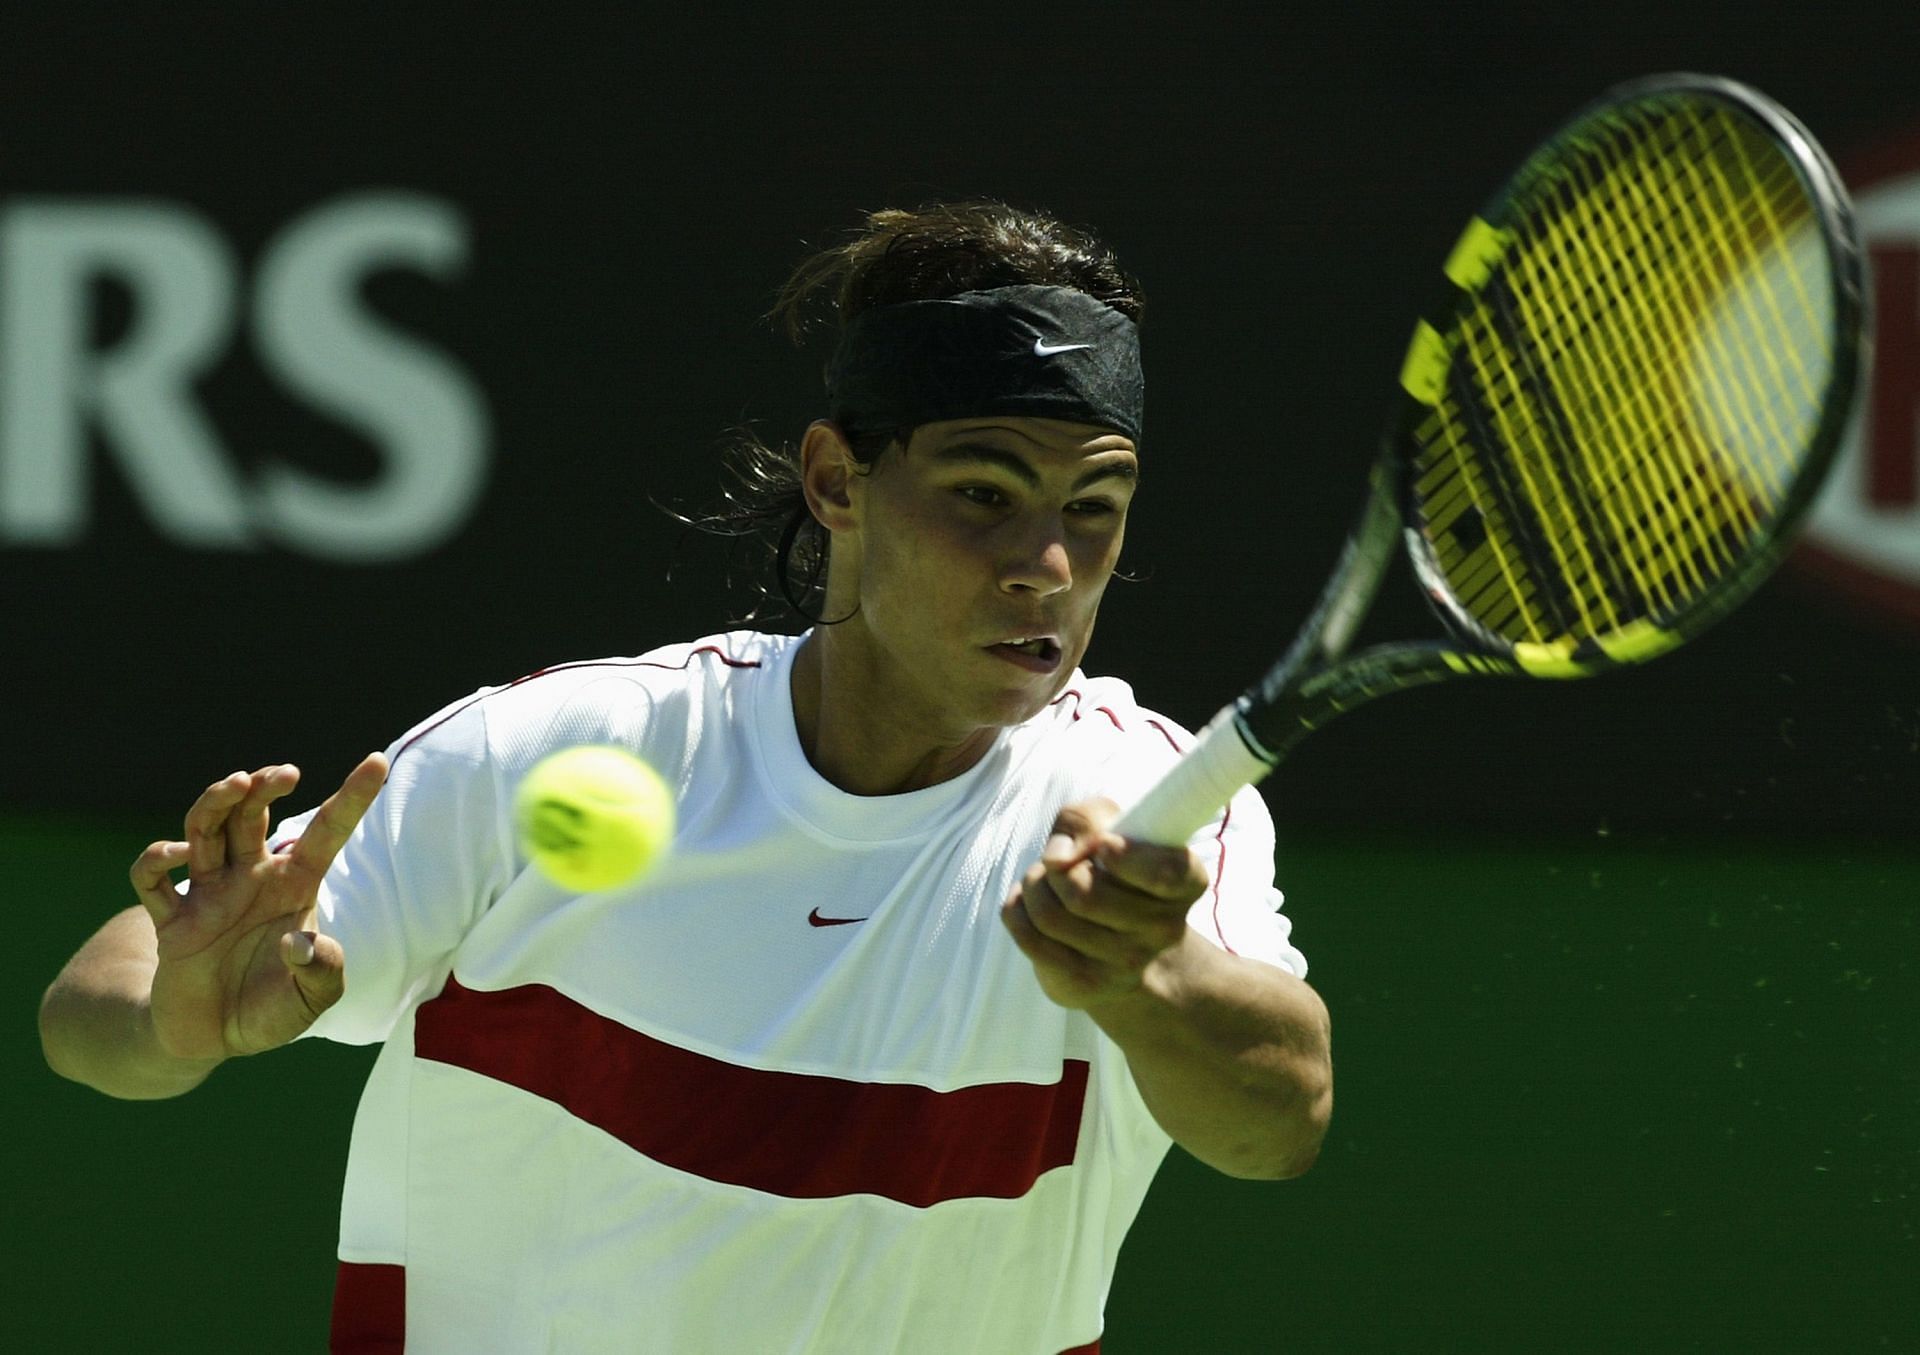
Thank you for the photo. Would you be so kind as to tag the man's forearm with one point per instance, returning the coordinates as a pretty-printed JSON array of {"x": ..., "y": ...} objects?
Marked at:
[
  {"x": 1231, "y": 1056},
  {"x": 96, "y": 1026}
]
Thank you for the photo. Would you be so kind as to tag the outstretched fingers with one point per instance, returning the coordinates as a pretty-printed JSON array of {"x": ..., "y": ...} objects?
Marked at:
[
  {"x": 336, "y": 819},
  {"x": 207, "y": 824},
  {"x": 247, "y": 822}
]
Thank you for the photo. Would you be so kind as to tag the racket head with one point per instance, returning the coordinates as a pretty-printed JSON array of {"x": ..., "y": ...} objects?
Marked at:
[{"x": 1626, "y": 400}]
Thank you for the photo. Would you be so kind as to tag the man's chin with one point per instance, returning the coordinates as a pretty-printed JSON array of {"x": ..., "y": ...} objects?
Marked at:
[{"x": 1011, "y": 708}]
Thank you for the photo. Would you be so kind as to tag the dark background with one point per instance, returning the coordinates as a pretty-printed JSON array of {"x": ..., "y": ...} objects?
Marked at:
[{"x": 1622, "y": 973}]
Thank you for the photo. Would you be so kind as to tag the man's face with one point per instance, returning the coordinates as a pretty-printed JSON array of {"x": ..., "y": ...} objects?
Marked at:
[{"x": 984, "y": 548}]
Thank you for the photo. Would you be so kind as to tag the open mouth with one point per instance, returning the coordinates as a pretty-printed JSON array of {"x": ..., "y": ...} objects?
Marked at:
[{"x": 1039, "y": 654}]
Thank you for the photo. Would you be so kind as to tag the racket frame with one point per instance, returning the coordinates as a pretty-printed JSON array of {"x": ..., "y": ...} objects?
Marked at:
[
  {"x": 1315, "y": 680},
  {"x": 1849, "y": 327}
]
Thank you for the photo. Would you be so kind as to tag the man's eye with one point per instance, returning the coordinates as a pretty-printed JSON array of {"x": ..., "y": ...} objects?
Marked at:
[
  {"x": 1092, "y": 507},
  {"x": 985, "y": 495}
]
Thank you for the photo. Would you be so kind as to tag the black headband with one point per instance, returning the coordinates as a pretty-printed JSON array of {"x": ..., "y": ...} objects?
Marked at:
[{"x": 1044, "y": 352}]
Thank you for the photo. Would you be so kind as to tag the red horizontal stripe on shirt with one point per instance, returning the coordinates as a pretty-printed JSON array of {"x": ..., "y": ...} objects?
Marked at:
[
  {"x": 790, "y": 1134},
  {"x": 369, "y": 1310}
]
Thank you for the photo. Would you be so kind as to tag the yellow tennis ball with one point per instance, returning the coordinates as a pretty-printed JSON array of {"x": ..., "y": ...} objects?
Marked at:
[{"x": 593, "y": 817}]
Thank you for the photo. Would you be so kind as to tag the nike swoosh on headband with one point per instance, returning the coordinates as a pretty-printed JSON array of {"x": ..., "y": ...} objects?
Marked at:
[{"x": 1043, "y": 349}]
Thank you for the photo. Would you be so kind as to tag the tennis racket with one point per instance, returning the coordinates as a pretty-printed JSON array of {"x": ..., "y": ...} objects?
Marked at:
[{"x": 1608, "y": 426}]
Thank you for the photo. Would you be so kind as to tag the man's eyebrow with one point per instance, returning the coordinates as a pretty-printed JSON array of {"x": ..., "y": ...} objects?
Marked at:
[{"x": 1018, "y": 466}]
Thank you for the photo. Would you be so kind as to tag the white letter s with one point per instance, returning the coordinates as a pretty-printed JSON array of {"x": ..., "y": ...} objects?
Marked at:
[{"x": 421, "y": 411}]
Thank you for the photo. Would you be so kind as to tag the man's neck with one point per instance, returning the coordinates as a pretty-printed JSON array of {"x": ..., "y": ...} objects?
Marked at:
[{"x": 862, "y": 733}]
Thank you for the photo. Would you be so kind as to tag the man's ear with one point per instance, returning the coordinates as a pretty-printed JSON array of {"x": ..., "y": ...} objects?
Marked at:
[{"x": 827, "y": 473}]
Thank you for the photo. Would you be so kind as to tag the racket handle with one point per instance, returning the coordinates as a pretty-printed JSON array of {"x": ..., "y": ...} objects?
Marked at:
[{"x": 1196, "y": 787}]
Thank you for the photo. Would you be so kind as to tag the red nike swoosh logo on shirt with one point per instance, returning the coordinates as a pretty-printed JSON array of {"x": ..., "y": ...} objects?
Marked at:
[{"x": 816, "y": 920}]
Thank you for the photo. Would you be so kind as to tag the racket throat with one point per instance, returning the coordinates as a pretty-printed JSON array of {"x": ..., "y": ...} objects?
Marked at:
[{"x": 1272, "y": 729}]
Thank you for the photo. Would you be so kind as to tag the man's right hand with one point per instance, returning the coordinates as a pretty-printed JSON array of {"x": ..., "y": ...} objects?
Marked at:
[{"x": 241, "y": 968}]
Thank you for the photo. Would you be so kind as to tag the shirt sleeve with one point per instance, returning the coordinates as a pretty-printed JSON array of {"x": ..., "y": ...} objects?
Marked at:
[
  {"x": 1240, "y": 912},
  {"x": 421, "y": 869}
]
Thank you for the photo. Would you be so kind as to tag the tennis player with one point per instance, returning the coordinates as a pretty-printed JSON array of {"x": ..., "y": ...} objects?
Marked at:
[{"x": 884, "y": 1056}]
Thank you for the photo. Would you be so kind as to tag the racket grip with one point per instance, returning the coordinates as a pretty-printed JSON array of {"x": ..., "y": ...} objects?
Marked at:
[{"x": 1196, "y": 787}]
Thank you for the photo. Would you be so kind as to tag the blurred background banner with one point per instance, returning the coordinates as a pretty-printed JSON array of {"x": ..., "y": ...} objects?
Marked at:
[
  {"x": 348, "y": 354},
  {"x": 343, "y": 360},
  {"x": 1864, "y": 538}
]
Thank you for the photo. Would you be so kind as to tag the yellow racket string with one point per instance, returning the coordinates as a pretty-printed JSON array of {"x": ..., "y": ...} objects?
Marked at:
[
  {"x": 1782, "y": 212},
  {"x": 1670, "y": 513},
  {"x": 1731, "y": 399},
  {"x": 1757, "y": 309},
  {"x": 1631, "y": 411},
  {"x": 1633, "y": 378}
]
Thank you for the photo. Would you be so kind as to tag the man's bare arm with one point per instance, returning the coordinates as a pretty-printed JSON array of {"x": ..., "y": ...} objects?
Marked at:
[
  {"x": 96, "y": 1025},
  {"x": 1232, "y": 1056}
]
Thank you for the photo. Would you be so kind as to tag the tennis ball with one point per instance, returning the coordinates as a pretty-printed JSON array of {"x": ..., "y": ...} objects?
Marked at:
[{"x": 593, "y": 817}]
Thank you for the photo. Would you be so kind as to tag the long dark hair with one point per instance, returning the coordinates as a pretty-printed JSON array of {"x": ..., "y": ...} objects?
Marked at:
[{"x": 894, "y": 256}]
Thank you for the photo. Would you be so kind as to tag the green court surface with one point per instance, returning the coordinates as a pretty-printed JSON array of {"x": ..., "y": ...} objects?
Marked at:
[{"x": 1597, "y": 1094}]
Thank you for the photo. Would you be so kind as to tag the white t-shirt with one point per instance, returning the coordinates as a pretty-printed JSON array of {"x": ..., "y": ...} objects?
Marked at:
[{"x": 795, "y": 1091}]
